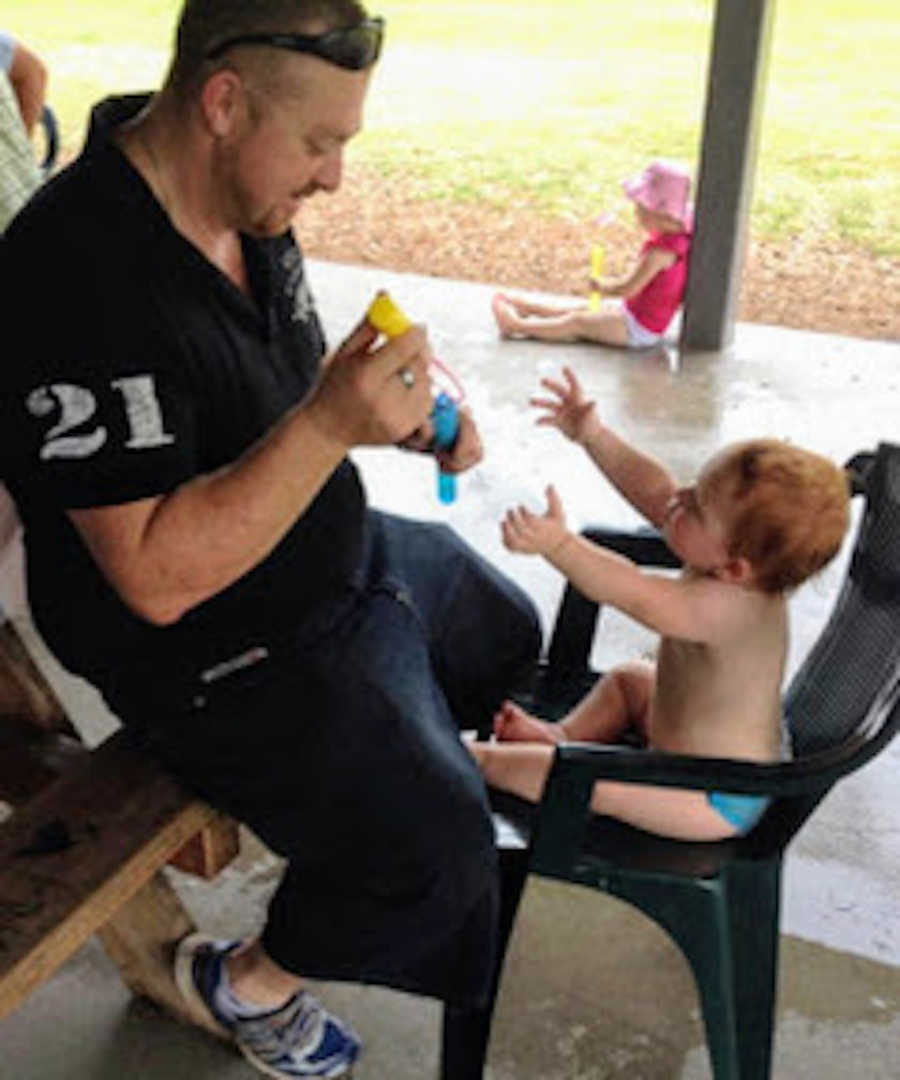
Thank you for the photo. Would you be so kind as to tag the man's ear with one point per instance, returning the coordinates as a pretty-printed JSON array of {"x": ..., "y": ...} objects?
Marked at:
[
  {"x": 736, "y": 571},
  {"x": 222, "y": 101}
]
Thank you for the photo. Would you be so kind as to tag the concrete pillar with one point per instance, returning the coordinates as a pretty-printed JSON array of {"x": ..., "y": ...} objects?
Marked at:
[{"x": 734, "y": 98}]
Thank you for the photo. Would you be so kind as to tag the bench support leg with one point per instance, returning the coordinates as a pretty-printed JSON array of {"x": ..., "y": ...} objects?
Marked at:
[
  {"x": 141, "y": 938},
  {"x": 211, "y": 850}
]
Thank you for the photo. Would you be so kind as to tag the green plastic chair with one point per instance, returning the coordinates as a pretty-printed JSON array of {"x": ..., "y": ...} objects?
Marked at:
[{"x": 720, "y": 902}]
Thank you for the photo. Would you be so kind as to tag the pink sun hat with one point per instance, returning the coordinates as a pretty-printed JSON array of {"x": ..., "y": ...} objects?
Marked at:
[{"x": 662, "y": 187}]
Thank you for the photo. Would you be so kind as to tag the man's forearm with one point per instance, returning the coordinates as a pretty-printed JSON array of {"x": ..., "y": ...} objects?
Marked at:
[{"x": 205, "y": 535}]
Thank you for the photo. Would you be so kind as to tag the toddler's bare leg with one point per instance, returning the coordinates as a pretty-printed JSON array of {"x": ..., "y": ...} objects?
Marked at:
[
  {"x": 681, "y": 814},
  {"x": 524, "y": 307},
  {"x": 520, "y": 318},
  {"x": 517, "y": 767},
  {"x": 606, "y": 326},
  {"x": 618, "y": 701},
  {"x": 556, "y": 327},
  {"x": 522, "y": 769}
]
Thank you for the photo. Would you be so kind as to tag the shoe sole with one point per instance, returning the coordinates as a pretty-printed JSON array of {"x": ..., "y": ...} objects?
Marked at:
[
  {"x": 343, "y": 1071},
  {"x": 198, "y": 1011}
]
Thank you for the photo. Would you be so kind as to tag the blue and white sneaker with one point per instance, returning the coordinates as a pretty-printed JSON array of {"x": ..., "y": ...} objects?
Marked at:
[{"x": 298, "y": 1039}]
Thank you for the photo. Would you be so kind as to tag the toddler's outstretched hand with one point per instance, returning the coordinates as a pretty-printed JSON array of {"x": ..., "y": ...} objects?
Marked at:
[
  {"x": 570, "y": 411},
  {"x": 536, "y": 534}
]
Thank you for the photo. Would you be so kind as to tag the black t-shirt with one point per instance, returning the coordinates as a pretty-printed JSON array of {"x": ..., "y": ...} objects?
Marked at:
[{"x": 133, "y": 364}]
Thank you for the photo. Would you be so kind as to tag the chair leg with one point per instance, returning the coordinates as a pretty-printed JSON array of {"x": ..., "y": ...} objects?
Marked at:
[
  {"x": 728, "y": 930},
  {"x": 752, "y": 908},
  {"x": 466, "y": 1032}
]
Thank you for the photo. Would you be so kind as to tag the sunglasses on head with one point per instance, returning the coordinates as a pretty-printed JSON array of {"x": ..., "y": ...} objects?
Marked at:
[{"x": 352, "y": 47}]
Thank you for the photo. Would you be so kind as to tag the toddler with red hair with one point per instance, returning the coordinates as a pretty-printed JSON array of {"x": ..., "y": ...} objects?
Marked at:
[{"x": 762, "y": 517}]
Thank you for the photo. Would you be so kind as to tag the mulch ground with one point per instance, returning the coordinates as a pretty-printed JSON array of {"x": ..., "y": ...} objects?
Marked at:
[{"x": 809, "y": 283}]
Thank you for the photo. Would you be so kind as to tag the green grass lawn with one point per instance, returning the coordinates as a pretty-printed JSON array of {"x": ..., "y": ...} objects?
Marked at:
[{"x": 552, "y": 103}]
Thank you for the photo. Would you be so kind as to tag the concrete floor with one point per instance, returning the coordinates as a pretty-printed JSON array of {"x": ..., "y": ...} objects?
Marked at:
[{"x": 592, "y": 989}]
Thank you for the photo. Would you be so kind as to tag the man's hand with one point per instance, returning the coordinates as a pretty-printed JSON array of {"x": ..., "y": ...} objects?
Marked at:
[
  {"x": 536, "y": 534},
  {"x": 569, "y": 410},
  {"x": 368, "y": 396},
  {"x": 467, "y": 451}
]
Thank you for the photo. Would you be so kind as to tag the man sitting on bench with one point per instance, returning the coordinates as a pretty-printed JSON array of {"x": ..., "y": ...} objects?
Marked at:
[{"x": 199, "y": 545}]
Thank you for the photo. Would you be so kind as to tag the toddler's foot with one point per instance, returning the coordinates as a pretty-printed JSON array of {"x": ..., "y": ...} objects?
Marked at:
[
  {"x": 478, "y": 750},
  {"x": 513, "y": 724},
  {"x": 503, "y": 315}
]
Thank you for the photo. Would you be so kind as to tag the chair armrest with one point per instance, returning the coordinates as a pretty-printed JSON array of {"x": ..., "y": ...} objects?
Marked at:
[
  {"x": 581, "y": 764},
  {"x": 564, "y": 815}
]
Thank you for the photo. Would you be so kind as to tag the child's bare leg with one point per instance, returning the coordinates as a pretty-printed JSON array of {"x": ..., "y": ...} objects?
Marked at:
[
  {"x": 607, "y": 326},
  {"x": 555, "y": 327},
  {"x": 524, "y": 307},
  {"x": 674, "y": 812},
  {"x": 514, "y": 724},
  {"x": 522, "y": 768},
  {"x": 517, "y": 767},
  {"x": 617, "y": 702}
]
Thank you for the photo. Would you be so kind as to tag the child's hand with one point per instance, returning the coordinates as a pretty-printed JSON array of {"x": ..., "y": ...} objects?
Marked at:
[
  {"x": 570, "y": 411},
  {"x": 536, "y": 534}
]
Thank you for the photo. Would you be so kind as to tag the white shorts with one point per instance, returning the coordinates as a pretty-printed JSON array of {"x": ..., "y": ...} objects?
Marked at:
[{"x": 639, "y": 337}]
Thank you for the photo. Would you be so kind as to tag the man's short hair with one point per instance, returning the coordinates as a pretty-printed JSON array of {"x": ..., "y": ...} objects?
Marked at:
[
  {"x": 203, "y": 24},
  {"x": 790, "y": 510}
]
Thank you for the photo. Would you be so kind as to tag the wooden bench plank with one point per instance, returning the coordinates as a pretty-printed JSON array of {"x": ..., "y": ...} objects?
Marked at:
[
  {"x": 126, "y": 817},
  {"x": 122, "y": 816}
]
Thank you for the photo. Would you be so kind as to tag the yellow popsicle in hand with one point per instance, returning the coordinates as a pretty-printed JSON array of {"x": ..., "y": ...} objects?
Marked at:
[
  {"x": 386, "y": 317},
  {"x": 598, "y": 258},
  {"x": 389, "y": 320}
]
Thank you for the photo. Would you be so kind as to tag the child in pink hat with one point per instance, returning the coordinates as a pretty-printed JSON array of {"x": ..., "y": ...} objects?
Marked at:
[{"x": 640, "y": 306}]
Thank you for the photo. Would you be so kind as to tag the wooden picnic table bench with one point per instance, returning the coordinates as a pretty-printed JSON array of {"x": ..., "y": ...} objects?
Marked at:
[{"x": 87, "y": 834}]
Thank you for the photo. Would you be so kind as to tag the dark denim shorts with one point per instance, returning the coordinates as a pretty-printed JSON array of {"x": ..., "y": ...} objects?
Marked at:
[{"x": 341, "y": 750}]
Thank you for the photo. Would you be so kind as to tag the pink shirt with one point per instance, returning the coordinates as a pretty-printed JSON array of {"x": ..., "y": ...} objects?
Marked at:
[{"x": 655, "y": 305}]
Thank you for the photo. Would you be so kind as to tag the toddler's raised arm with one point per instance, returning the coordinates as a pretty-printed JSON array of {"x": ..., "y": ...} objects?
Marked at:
[
  {"x": 639, "y": 478},
  {"x": 691, "y": 608}
]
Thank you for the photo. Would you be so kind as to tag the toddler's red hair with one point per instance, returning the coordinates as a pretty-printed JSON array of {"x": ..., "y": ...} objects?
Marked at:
[{"x": 790, "y": 510}]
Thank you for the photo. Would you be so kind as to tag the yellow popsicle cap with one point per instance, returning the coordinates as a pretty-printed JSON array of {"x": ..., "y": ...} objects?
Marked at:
[{"x": 386, "y": 317}]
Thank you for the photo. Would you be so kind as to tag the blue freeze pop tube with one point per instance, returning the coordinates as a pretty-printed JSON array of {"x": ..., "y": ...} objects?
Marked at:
[
  {"x": 445, "y": 418},
  {"x": 387, "y": 318}
]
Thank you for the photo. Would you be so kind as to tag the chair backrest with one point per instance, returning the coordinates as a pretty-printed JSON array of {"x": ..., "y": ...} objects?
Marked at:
[{"x": 858, "y": 652}]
